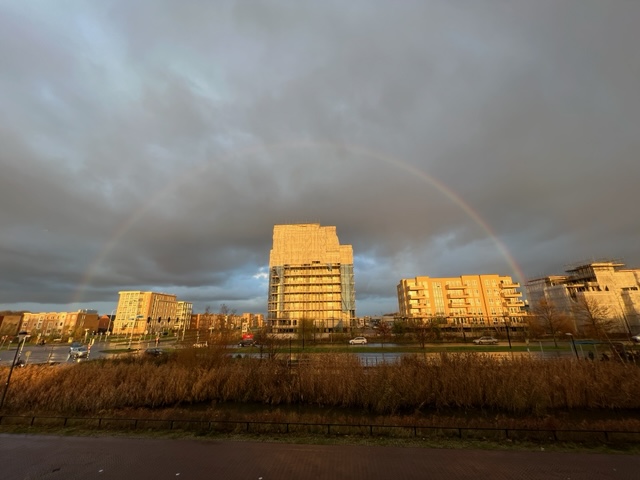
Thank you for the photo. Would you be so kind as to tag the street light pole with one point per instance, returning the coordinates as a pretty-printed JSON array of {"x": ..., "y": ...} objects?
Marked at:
[
  {"x": 110, "y": 320},
  {"x": 573, "y": 342},
  {"x": 507, "y": 324},
  {"x": 131, "y": 333},
  {"x": 22, "y": 337}
]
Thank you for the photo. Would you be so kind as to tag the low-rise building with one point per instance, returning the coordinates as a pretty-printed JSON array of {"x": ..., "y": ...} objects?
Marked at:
[{"x": 47, "y": 324}]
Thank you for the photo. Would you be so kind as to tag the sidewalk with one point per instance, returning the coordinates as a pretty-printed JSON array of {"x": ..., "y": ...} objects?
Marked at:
[{"x": 33, "y": 457}]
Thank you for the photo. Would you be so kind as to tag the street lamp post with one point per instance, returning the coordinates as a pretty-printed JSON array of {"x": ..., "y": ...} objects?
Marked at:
[
  {"x": 110, "y": 320},
  {"x": 184, "y": 326},
  {"x": 22, "y": 337},
  {"x": 573, "y": 342},
  {"x": 131, "y": 333}
]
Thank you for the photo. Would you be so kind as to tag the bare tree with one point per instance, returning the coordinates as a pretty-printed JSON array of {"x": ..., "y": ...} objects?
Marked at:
[
  {"x": 551, "y": 319},
  {"x": 595, "y": 316},
  {"x": 399, "y": 328},
  {"x": 222, "y": 325},
  {"x": 268, "y": 344},
  {"x": 420, "y": 331},
  {"x": 306, "y": 330},
  {"x": 384, "y": 330}
]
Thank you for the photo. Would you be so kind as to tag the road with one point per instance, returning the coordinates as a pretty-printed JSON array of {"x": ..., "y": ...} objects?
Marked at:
[
  {"x": 69, "y": 458},
  {"x": 59, "y": 353}
]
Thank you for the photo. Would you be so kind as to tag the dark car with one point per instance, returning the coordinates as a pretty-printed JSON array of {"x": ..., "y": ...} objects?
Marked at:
[
  {"x": 247, "y": 342},
  {"x": 154, "y": 352}
]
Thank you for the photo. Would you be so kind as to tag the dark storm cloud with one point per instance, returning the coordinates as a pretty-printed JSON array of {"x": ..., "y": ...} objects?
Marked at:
[{"x": 155, "y": 145}]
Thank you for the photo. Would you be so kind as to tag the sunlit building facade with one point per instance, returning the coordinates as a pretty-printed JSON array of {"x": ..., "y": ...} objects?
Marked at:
[
  {"x": 310, "y": 279},
  {"x": 140, "y": 312},
  {"x": 605, "y": 284},
  {"x": 48, "y": 324},
  {"x": 183, "y": 315},
  {"x": 466, "y": 300}
]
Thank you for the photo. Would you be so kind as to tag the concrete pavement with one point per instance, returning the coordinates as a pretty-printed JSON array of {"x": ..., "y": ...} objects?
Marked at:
[{"x": 68, "y": 458}]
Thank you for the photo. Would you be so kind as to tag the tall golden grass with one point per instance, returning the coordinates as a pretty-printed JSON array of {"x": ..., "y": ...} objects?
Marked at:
[{"x": 414, "y": 384}]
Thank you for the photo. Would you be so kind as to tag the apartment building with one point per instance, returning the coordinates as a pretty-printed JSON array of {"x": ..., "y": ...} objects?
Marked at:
[
  {"x": 605, "y": 284},
  {"x": 251, "y": 321},
  {"x": 183, "y": 315},
  {"x": 60, "y": 323},
  {"x": 151, "y": 312},
  {"x": 466, "y": 300},
  {"x": 311, "y": 280}
]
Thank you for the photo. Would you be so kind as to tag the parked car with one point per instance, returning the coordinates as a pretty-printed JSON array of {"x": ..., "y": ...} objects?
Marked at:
[
  {"x": 358, "y": 341},
  {"x": 635, "y": 339},
  {"x": 247, "y": 342},
  {"x": 486, "y": 341},
  {"x": 78, "y": 350},
  {"x": 155, "y": 352}
]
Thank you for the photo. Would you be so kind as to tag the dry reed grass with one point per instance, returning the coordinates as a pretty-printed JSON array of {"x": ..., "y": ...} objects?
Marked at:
[{"x": 520, "y": 385}]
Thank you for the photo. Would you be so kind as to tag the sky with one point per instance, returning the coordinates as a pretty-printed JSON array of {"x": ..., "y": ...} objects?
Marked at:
[{"x": 153, "y": 145}]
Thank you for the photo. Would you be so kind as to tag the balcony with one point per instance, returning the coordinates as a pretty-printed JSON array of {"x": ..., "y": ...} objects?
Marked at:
[
  {"x": 456, "y": 295},
  {"x": 511, "y": 294},
  {"x": 416, "y": 295},
  {"x": 514, "y": 304},
  {"x": 510, "y": 285},
  {"x": 456, "y": 287}
]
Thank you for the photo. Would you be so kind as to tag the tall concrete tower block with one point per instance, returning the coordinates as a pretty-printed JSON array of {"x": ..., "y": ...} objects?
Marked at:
[{"x": 311, "y": 283}]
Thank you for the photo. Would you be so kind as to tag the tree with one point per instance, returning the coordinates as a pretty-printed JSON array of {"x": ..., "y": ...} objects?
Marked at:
[
  {"x": 306, "y": 329},
  {"x": 268, "y": 344},
  {"x": 551, "y": 319},
  {"x": 420, "y": 331},
  {"x": 384, "y": 330},
  {"x": 595, "y": 316},
  {"x": 222, "y": 324},
  {"x": 399, "y": 328}
]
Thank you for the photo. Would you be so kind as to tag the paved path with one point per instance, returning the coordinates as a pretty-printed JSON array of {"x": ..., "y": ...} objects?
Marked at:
[{"x": 84, "y": 458}]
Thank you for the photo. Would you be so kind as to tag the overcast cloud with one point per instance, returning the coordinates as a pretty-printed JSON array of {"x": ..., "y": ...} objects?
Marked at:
[{"x": 154, "y": 144}]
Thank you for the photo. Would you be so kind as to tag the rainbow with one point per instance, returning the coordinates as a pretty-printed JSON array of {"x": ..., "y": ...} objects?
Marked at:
[{"x": 354, "y": 149}]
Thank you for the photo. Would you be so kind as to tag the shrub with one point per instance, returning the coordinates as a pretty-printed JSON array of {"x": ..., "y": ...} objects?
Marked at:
[{"x": 413, "y": 384}]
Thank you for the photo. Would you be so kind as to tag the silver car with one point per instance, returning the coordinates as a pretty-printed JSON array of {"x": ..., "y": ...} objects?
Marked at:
[
  {"x": 77, "y": 350},
  {"x": 486, "y": 341},
  {"x": 358, "y": 341}
]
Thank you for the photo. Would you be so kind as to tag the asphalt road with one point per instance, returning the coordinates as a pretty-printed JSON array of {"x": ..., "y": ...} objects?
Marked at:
[
  {"x": 59, "y": 353},
  {"x": 43, "y": 354},
  {"x": 68, "y": 458}
]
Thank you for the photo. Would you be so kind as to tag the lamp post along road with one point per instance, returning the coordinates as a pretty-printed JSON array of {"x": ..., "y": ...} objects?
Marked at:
[
  {"x": 507, "y": 325},
  {"x": 573, "y": 342},
  {"x": 109, "y": 324},
  {"x": 22, "y": 337}
]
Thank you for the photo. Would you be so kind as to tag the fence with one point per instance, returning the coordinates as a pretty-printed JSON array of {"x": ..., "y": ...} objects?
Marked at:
[{"x": 262, "y": 427}]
